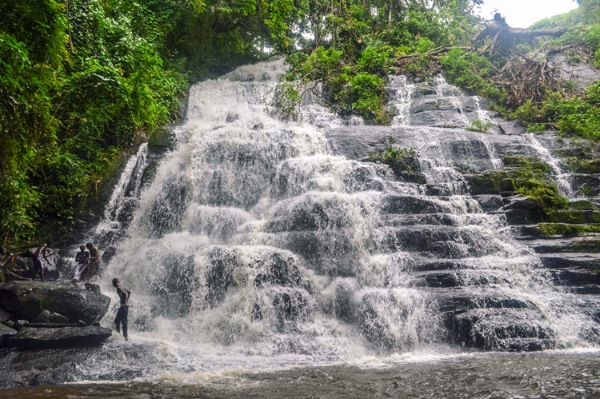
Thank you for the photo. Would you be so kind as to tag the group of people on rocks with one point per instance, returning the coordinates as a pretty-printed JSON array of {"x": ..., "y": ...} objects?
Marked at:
[
  {"x": 87, "y": 262},
  {"x": 36, "y": 257},
  {"x": 87, "y": 259}
]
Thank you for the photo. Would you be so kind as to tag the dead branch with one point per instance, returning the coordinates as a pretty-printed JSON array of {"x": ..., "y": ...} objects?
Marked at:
[
  {"x": 435, "y": 51},
  {"x": 505, "y": 36}
]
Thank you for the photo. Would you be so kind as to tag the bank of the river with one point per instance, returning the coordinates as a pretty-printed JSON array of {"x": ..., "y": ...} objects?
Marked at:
[{"x": 555, "y": 374}]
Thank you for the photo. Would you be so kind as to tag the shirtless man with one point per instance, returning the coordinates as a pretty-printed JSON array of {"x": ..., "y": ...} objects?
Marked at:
[
  {"x": 37, "y": 262},
  {"x": 121, "y": 318}
]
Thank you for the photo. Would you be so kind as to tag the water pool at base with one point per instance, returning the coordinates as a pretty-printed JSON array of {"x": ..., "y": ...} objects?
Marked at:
[{"x": 553, "y": 374}]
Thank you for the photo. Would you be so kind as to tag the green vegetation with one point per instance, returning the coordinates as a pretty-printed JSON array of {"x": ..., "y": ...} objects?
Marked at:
[
  {"x": 358, "y": 44},
  {"x": 531, "y": 179},
  {"x": 403, "y": 162},
  {"x": 82, "y": 82},
  {"x": 477, "y": 125},
  {"x": 567, "y": 230},
  {"x": 473, "y": 73},
  {"x": 527, "y": 176}
]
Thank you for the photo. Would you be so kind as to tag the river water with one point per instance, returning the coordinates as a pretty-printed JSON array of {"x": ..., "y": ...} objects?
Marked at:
[{"x": 552, "y": 374}]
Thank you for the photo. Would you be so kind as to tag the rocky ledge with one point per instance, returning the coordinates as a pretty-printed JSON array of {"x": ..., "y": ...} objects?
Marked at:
[{"x": 43, "y": 315}]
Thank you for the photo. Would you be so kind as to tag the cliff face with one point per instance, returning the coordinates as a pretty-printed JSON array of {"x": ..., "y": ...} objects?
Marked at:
[{"x": 544, "y": 188}]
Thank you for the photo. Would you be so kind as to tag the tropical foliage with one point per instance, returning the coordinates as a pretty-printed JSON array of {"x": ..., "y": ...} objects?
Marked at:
[{"x": 83, "y": 81}]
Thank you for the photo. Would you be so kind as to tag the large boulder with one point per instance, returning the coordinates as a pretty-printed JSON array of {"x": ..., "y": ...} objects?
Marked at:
[
  {"x": 30, "y": 298},
  {"x": 43, "y": 338}
]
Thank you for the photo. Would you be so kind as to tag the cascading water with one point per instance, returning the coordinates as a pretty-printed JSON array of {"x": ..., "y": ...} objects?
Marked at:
[
  {"x": 118, "y": 212},
  {"x": 261, "y": 244},
  {"x": 563, "y": 179}
]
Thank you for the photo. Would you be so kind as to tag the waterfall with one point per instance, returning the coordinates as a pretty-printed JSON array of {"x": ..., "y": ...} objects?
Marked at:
[
  {"x": 118, "y": 211},
  {"x": 264, "y": 242},
  {"x": 563, "y": 179}
]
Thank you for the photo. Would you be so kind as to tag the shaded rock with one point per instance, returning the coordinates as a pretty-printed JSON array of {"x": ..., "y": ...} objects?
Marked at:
[
  {"x": 42, "y": 338},
  {"x": 495, "y": 182},
  {"x": 5, "y": 334},
  {"x": 575, "y": 277},
  {"x": 576, "y": 216},
  {"x": 4, "y": 315},
  {"x": 573, "y": 244},
  {"x": 48, "y": 317},
  {"x": 29, "y": 298},
  {"x": 587, "y": 184},
  {"x": 566, "y": 260},
  {"x": 489, "y": 203},
  {"x": 524, "y": 210},
  {"x": 500, "y": 330},
  {"x": 511, "y": 127}
]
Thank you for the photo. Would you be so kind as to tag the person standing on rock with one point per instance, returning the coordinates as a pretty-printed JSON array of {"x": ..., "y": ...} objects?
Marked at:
[
  {"x": 121, "y": 319},
  {"x": 92, "y": 262},
  {"x": 81, "y": 258},
  {"x": 37, "y": 262}
]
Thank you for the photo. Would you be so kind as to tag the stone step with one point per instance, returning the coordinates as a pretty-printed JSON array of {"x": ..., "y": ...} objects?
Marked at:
[
  {"x": 446, "y": 189},
  {"x": 590, "y": 261},
  {"x": 535, "y": 231},
  {"x": 500, "y": 329},
  {"x": 585, "y": 289},
  {"x": 576, "y": 277},
  {"x": 574, "y": 244},
  {"x": 440, "y": 241},
  {"x": 489, "y": 203},
  {"x": 440, "y": 265},
  {"x": 460, "y": 300},
  {"x": 460, "y": 278},
  {"x": 411, "y": 204},
  {"x": 435, "y": 219}
]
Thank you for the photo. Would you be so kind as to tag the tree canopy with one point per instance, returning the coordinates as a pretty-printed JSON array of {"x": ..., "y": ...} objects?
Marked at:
[{"x": 82, "y": 81}]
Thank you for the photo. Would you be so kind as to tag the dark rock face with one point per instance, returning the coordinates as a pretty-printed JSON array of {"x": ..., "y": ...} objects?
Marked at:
[
  {"x": 447, "y": 252},
  {"x": 44, "y": 338},
  {"x": 30, "y": 298},
  {"x": 5, "y": 334}
]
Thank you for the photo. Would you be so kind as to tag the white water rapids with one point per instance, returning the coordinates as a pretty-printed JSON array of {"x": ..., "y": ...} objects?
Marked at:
[{"x": 256, "y": 247}]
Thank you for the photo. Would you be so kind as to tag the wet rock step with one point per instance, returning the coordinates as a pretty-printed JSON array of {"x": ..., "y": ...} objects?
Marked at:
[
  {"x": 43, "y": 338},
  {"x": 446, "y": 189},
  {"x": 590, "y": 261},
  {"x": 415, "y": 204},
  {"x": 460, "y": 300},
  {"x": 474, "y": 263},
  {"x": 459, "y": 278},
  {"x": 524, "y": 344},
  {"x": 585, "y": 289},
  {"x": 489, "y": 202},
  {"x": 554, "y": 230},
  {"x": 589, "y": 183},
  {"x": 440, "y": 241},
  {"x": 575, "y": 244},
  {"x": 440, "y": 265},
  {"x": 576, "y": 277},
  {"x": 444, "y": 219},
  {"x": 500, "y": 329}
]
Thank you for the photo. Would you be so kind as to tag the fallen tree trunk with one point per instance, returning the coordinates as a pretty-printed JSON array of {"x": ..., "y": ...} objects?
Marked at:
[
  {"x": 494, "y": 28},
  {"x": 504, "y": 36}
]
